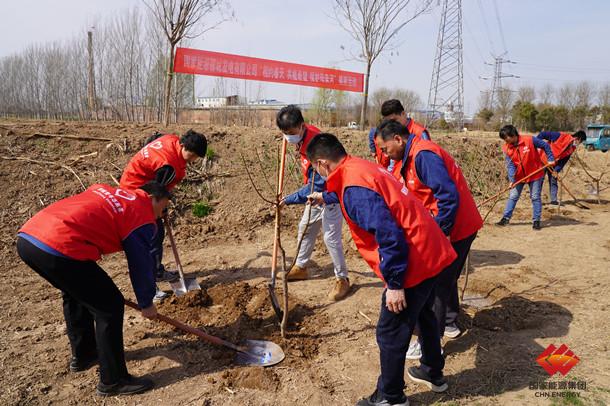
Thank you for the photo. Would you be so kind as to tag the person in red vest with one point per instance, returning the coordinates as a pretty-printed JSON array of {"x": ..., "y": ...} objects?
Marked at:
[
  {"x": 522, "y": 159},
  {"x": 435, "y": 179},
  {"x": 562, "y": 145},
  {"x": 403, "y": 245},
  {"x": 163, "y": 159},
  {"x": 393, "y": 110},
  {"x": 63, "y": 242},
  {"x": 328, "y": 218}
]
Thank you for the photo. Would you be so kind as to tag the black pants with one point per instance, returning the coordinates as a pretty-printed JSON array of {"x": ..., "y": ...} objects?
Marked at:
[
  {"x": 93, "y": 307},
  {"x": 394, "y": 334},
  {"x": 158, "y": 246},
  {"x": 447, "y": 302}
]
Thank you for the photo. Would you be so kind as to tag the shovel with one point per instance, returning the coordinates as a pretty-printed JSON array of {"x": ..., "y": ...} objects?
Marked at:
[
  {"x": 182, "y": 285},
  {"x": 250, "y": 352}
]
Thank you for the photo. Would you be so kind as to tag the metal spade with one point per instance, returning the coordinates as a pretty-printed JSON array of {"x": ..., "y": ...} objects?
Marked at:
[
  {"x": 249, "y": 352},
  {"x": 182, "y": 285}
]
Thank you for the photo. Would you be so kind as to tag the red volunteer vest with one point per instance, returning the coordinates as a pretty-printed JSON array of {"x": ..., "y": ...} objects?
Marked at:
[
  {"x": 526, "y": 158},
  {"x": 467, "y": 220},
  {"x": 310, "y": 133},
  {"x": 416, "y": 128},
  {"x": 563, "y": 147},
  {"x": 93, "y": 223},
  {"x": 429, "y": 250},
  {"x": 141, "y": 169}
]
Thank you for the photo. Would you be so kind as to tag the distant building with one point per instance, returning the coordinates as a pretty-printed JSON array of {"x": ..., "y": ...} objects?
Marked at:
[
  {"x": 267, "y": 102},
  {"x": 216, "y": 102}
]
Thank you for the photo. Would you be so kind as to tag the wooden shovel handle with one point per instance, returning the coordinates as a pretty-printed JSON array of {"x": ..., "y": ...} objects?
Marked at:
[
  {"x": 188, "y": 329},
  {"x": 280, "y": 187},
  {"x": 512, "y": 185}
]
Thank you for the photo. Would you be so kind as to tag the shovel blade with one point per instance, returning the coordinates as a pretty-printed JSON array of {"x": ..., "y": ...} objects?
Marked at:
[
  {"x": 259, "y": 353},
  {"x": 182, "y": 289},
  {"x": 274, "y": 303}
]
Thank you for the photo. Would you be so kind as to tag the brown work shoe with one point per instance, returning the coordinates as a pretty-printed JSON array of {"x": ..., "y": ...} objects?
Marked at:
[
  {"x": 297, "y": 273},
  {"x": 340, "y": 289}
]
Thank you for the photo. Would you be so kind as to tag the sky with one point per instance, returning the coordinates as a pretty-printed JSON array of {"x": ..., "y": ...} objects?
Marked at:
[{"x": 551, "y": 41}]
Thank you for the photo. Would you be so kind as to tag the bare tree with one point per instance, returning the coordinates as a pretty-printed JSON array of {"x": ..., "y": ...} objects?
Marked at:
[
  {"x": 566, "y": 96},
  {"x": 526, "y": 94},
  {"x": 374, "y": 24},
  {"x": 410, "y": 100},
  {"x": 603, "y": 95},
  {"x": 506, "y": 98},
  {"x": 182, "y": 19},
  {"x": 583, "y": 94},
  {"x": 546, "y": 94}
]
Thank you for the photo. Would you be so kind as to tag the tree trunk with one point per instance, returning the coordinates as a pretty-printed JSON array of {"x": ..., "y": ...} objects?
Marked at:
[
  {"x": 168, "y": 86},
  {"x": 365, "y": 97}
]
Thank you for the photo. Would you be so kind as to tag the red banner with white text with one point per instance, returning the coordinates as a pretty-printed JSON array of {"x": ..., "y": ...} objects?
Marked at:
[{"x": 209, "y": 63}]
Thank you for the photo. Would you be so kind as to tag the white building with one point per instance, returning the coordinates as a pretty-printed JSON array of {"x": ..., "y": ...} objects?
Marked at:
[{"x": 216, "y": 102}]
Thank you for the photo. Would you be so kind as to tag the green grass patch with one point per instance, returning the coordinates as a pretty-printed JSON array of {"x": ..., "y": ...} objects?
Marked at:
[
  {"x": 201, "y": 209},
  {"x": 210, "y": 154}
]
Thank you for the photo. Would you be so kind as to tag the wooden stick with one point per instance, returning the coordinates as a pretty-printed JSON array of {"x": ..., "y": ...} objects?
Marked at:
[
  {"x": 70, "y": 137},
  {"x": 512, "y": 185},
  {"x": 20, "y": 158}
]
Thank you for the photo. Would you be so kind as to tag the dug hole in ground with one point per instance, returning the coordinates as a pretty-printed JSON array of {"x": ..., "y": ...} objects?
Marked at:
[{"x": 526, "y": 289}]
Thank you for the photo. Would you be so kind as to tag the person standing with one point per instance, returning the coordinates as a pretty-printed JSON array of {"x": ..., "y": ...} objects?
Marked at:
[
  {"x": 435, "y": 179},
  {"x": 400, "y": 241},
  {"x": 328, "y": 218},
  {"x": 522, "y": 160},
  {"x": 64, "y": 241}
]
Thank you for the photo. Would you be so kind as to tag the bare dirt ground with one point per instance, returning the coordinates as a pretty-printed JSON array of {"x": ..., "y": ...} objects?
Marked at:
[{"x": 526, "y": 289}]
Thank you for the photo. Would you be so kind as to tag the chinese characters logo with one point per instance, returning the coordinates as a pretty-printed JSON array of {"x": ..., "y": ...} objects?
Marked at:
[{"x": 555, "y": 359}]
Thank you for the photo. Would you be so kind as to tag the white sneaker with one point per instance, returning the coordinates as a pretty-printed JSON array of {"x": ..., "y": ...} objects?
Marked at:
[
  {"x": 414, "y": 351},
  {"x": 452, "y": 331},
  {"x": 159, "y": 296}
]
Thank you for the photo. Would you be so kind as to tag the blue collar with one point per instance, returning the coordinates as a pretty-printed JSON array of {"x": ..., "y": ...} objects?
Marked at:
[{"x": 405, "y": 157}]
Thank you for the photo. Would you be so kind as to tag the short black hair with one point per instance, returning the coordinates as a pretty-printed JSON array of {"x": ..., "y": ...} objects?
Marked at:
[
  {"x": 392, "y": 106},
  {"x": 153, "y": 137},
  {"x": 325, "y": 146},
  {"x": 389, "y": 128},
  {"x": 289, "y": 117},
  {"x": 508, "y": 130},
  {"x": 194, "y": 142},
  {"x": 581, "y": 135},
  {"x": 156, "y": 190}
]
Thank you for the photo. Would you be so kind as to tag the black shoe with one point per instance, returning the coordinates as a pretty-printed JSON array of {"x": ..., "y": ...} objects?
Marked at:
[
  {"x": 129, "y": 385},
  {"x": 536, "y": 225},
  {"x": 82, "y": 364},
  {"x": 503, "y": 222},
  {"x": 165, "y": 276},
  {"x": 437, "y": 384},
  {"x": 377, "y": 400},
  {"x": 554, "y": 203}
]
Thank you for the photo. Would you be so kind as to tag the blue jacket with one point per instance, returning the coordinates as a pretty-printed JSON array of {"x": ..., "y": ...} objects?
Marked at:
[
  {"x": 368, "y": 210},
  {"x": 433, "y": 173},
  {"x": 538, "y": 143},
  {"x": 300, "y": 196}
]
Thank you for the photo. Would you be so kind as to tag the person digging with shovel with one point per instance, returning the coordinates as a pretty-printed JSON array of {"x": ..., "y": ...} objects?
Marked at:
[
  {"x": 522, "y": 159},
  {"x": 433, "y": 177},
  {"x": 64, "y": 241},
  {"x": 563, "y": 146},
  {"x": 164, "y": 159},
  {"x": 404, "y": 246},
  {"x": 290, "y": 121}
]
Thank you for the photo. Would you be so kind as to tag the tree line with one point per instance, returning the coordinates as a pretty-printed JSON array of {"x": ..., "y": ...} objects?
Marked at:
[
  {"x": 50, "y": 81},
  {"x": 568, "y": 107}
]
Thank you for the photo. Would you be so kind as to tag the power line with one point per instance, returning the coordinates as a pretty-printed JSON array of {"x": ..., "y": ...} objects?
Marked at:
[
  {"x": 491, "y": 43},
  {"x": 500, "y": 26}
]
